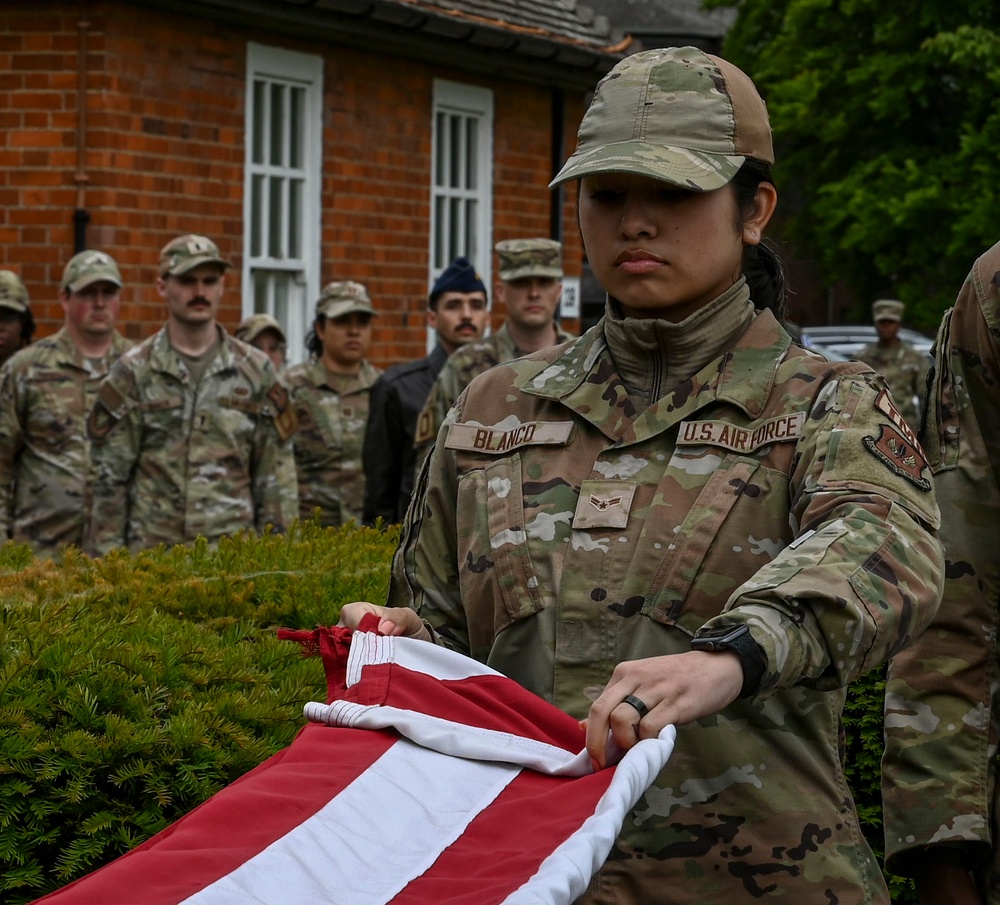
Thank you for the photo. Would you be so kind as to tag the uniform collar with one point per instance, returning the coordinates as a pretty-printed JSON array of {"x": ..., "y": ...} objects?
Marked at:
[
  {"x": 319, "y": 376},
  {"x": 69, "y": 353},
  {"x": 164, "y": 357},
  {"x": 584, "y": 378}
]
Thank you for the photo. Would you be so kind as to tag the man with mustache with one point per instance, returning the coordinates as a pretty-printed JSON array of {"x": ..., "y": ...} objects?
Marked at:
[
  {"x": 457, "y": 312},
  {"x": 190, "y": 430},
  {"x": 529, "y": 289},
  {"x": 46, "y": 391}
]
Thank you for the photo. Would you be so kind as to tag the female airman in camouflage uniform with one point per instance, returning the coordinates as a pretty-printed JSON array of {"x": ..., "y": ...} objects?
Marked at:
[
  {"x": 331, "y": 394},
  {"x": 682, "y": 518}
]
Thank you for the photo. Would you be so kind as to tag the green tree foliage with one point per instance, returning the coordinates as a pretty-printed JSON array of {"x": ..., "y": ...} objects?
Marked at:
[{"x": 886, "y": 130}]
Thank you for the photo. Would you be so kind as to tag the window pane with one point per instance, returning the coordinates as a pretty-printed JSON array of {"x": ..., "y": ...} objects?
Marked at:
[
  {"x": 295, "y": 187},
  {"x": 277, "y": 125},
  {"x": 441, "y": 134},
  {"x": 279, "y": 300},
  {"x": 296, "y": 126},
  {"x": 440, "y": 232},
  {"x": 471, "y": 246},
  {"x": 259, "y": 120},
  {"x": 455, "y": 171},
  {"x": 256, "y": 215},
  {"x": 260, "y": 291},
  {"x": 471, "y": 153},
  {"x": 276, "y": 209},
  {"x": 456, "y": 230}
]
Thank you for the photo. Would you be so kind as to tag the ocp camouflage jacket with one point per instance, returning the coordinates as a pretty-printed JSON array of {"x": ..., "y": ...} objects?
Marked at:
[
  {"x": 172, "y": 461},
  {"x": 942, "y": 711},
  {"x": 330, "y": 439},
  {"x": 47, "y": 391},
  {"x": 560, "y": 534}
]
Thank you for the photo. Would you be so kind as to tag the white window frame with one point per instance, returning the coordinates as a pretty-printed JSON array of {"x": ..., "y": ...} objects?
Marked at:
[
  {"x": 473, "y": 170},
  {"x": 267, "y": 255}
]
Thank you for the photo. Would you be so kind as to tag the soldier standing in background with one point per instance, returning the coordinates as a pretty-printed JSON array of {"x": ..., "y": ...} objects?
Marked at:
[
  {"x": 940, "y": 790},
  {"x": 457, "y": 312},
  {"x": 46, "y": 392},
  {"x": 331, "y": 395},
  {"x": 191, "y": 428},
  {"x": 902, "y": 366},
  {"x": 16, "y": 322},
  {"x": 529, "y": 288},
  {"x": 263, "y": 332}
]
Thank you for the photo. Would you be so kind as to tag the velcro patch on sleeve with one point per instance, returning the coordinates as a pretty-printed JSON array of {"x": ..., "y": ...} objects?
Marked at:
[
  {"x": 286, "y": 420},
  {"x": 425, "y": 429},
  {"x": 109, "y": 407},
  {"x": 900, "y": 456},
  {"x": 472, "y": 438},
  {"x": 742, "y": 439},
  {"x": 100, "y": 421}
]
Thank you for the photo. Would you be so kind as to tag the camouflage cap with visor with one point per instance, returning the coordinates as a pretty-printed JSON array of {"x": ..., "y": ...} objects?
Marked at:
[
  {"x": 251, "y": 327},
  {"x": 676, "y": 114},
  {"x": 344, "y": 297},
  {"x": 887, "y": 310},
  {"x": 89, "y": 267},
  {"x": 187, "y": 252},
  {"x": 13, "y": 295},
  {"x": 520, "y": 258}
]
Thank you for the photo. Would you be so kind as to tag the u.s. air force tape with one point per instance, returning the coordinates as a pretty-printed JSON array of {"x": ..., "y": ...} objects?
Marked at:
[
  {"x": 497, "y": 439},
  {"x": 741, "y": 439}
]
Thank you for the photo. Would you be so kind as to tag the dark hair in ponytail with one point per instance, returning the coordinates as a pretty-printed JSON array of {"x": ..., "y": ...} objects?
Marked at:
[
  {"x": 761, "y": 265},
  {"x": 314, "y": 345}
]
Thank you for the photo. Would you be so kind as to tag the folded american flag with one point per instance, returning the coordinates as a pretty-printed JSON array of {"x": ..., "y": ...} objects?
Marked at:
[{"x": 426, "y": 778}]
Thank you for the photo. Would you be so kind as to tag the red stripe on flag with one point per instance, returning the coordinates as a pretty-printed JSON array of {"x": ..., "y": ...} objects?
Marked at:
[
  {"x": 234, "y": 825},
  {"x": 504, "y": 846},
  {"x": 487, "y": 702}
]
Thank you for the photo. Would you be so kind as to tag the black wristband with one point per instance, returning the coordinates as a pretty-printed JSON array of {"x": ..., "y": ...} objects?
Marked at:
[{"x": 739, "y": 640}]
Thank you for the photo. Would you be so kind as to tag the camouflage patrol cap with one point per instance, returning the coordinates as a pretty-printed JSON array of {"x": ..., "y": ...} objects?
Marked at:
[
  {"x": 676, "y": 114},
  {"x": 530, "y": 258},
  {"x": 13, "y": 295},
  {"x": 342, "y": 298},
  {"x": 89, "y": 267},
  {"x": 187, "y": 252},
  {"x": 887, "y": 310},
  {"x": 251, "y": 327}
]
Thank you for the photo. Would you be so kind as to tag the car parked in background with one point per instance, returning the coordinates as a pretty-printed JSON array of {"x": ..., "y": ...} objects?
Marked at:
[{"x": 844, "y": 342}]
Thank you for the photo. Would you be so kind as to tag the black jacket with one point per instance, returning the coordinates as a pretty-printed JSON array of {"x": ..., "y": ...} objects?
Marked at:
[{"x": 396, "y": 400}]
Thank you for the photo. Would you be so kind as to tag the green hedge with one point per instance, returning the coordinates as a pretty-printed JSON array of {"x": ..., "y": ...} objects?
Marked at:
[{"x": 133, "y": 687}]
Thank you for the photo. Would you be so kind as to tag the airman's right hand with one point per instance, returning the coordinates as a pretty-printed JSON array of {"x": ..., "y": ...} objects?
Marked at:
[{"x": 393, "y": 620}]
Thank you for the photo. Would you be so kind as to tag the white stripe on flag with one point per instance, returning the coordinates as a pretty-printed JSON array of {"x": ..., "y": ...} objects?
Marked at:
[
  {"x": 565, "y": 874},
  {"x": 397, "y": 817},
  {"x": 451, "y": 738}
]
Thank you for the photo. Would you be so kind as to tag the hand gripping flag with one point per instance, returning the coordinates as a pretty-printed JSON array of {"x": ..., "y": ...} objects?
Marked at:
[{"x": 426, "y": 778}]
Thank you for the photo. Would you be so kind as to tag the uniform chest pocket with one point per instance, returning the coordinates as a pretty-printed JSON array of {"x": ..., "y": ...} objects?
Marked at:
[
  {"x": 512, "y": 537},
  {"x": 235, "y": 417},
  {"x": 320, "y": 418},
  {"x": 163, "y": 420},
  {"x": 682, "y": 592},
  {"x": 246, "y": 406},
  {"x": 57, "y": 408}
]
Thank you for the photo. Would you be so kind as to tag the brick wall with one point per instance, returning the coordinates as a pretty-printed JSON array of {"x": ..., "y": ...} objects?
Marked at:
[{"x": 164, "y": 150}]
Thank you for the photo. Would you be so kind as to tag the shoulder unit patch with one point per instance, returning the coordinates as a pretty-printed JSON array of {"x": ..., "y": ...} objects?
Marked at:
[{"x": 899, "y": 455}]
